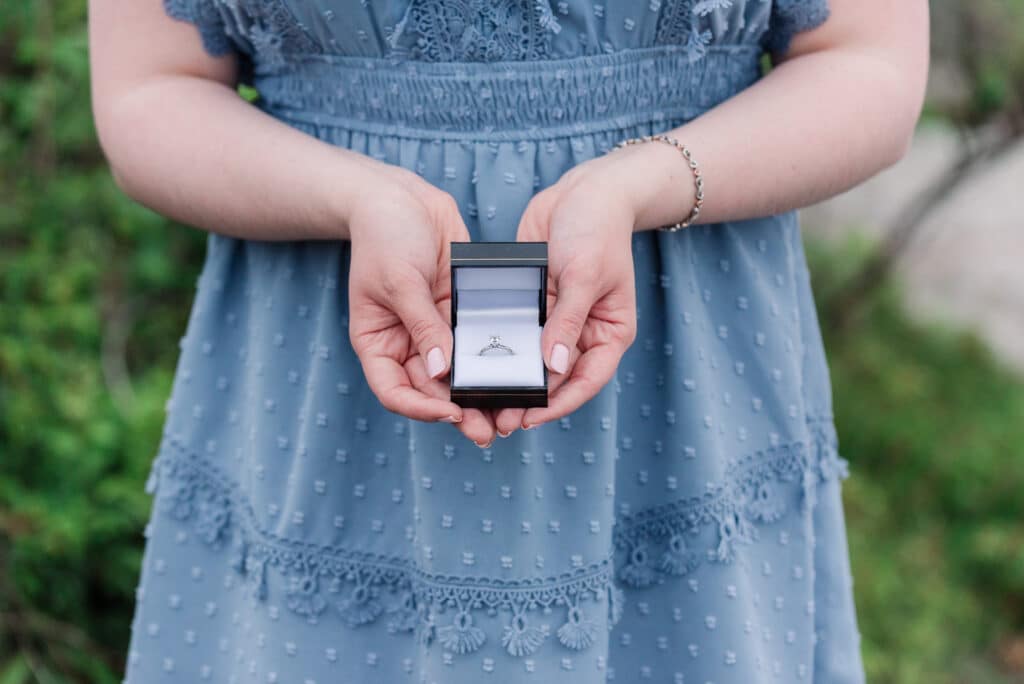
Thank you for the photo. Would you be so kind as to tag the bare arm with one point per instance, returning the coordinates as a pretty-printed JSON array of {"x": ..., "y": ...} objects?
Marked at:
[
  {"x": 840, "y": 107},
  {"x": 180, "y": 140}
]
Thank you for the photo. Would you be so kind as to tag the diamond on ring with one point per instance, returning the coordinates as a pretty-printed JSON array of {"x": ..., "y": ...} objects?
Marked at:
[{"x": 495, "y": 345}]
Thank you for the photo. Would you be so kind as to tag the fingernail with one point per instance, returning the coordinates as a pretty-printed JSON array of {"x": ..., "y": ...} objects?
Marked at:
[
  {"x": 450, "y": 419},
  {"x": 484, "y": 446},
  {"x": 435, "y": 362},
  {"x": 528, "y": 427},
  {"x": 504, "y": 434},
  {"x": 560, "y": 358}
]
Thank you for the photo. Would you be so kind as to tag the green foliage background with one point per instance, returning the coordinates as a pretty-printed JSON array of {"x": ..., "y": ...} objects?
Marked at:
[{"x": 95, "y": 293}]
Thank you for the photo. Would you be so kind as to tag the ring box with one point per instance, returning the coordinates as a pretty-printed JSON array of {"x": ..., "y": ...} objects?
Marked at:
[{"x": 499, "y": 289}]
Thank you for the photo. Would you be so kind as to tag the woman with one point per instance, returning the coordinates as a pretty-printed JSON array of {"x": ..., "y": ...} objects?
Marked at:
[{"x": 674, "y": 514}]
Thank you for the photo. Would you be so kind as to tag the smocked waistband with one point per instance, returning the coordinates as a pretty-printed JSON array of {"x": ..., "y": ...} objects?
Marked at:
[{"x": 507, "y": 100}]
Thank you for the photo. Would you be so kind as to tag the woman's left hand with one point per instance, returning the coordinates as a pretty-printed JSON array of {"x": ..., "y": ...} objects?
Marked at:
[{"x": 587, "y": 218}]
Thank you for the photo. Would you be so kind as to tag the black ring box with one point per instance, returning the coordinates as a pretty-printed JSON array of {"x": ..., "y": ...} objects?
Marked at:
[{"x": 499, "y": 255}]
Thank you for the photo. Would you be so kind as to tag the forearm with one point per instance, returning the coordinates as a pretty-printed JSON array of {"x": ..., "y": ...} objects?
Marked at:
[
  {"x": 191, "y": 149},
  {"x": 840, "y": 109}
]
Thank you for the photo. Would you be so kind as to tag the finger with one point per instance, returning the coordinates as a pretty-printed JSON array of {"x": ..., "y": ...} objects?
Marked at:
[
  {"x": 506, "y": 421},
  {"x": 509, "y": 420},
  {"x": 475, "y": 424},
  {"x": 456, "y": 231},
  {"x": 565, "y": 323},
  {"x": 489, "y": 416},
  {"x": 411, "y": 298},
  {"x": 555, "y": 380},
  {"x": 532, "y": 223},
  {"x": 448, "y": 215},
  {"x": 478, "y": 426},
  {"x": 591, "y": 372},
  {"x": 390, "y": 382}
]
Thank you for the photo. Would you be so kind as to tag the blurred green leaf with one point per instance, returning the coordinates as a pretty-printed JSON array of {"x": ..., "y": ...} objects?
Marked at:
[{"x": 15, "y": 671}]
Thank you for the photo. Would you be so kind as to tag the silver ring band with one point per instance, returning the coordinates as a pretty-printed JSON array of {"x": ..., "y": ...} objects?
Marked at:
[{"x": 495, "y": 345}]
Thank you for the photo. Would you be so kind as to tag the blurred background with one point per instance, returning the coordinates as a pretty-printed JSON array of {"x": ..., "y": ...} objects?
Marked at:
[{"x": 920, "y": 285}]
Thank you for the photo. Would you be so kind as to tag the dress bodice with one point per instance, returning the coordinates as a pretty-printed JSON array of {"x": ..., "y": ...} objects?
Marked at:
[
  {"x": 506, "y": 69},
  {"x": 274, "y": 32}
]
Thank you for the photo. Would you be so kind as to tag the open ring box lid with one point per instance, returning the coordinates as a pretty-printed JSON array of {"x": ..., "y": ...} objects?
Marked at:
[{"x": 499, "y": 289}]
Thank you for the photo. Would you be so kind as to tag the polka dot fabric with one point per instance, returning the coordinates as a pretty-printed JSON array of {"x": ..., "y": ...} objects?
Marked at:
[{"x": 684, "y": 526}]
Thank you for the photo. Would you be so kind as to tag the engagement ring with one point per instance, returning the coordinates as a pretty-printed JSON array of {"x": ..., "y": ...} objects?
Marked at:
[{"x": 496, "y": 345}]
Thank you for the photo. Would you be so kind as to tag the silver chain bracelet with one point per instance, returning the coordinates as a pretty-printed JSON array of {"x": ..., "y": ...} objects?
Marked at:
[{"x": 698, "y": 179}]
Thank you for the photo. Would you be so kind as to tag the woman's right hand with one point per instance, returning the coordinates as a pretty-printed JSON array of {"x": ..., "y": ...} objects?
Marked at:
[{"x": 400, "y": 295}]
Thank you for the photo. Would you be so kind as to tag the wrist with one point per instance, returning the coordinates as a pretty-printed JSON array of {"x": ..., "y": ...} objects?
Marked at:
[
  {"x": 349, "y": 189},
  {"x": 658, "y": 181}
]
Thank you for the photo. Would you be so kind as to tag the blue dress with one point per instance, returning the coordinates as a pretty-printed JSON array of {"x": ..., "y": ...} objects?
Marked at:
[{"x": 684, "y": 526}]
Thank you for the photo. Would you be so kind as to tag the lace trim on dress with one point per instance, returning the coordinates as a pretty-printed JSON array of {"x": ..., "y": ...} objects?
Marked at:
[
  {"x": 653, "y": 541},
  {"x": 475, "y": 30},
  {"x": 681, "y": 24},
  {"x": 206, "y": 17},
  {"x": 265, "y": 29},
  {"x": 358, "y": 588}
]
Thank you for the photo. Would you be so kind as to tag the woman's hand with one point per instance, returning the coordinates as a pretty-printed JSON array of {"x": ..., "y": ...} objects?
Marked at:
[
  {"x": 587, "y": 219},
  {"x": 400, "y": 292}
]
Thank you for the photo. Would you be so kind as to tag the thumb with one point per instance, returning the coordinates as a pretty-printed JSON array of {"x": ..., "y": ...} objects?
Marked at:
[
  {"x": 565, "y": 324},
  {"x": 429, "y": 332}
]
